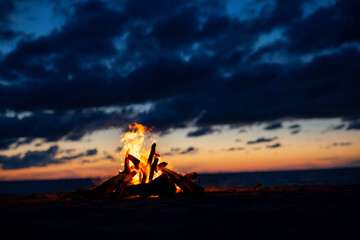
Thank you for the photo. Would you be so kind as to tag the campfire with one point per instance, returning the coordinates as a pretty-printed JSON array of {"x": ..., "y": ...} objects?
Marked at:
[{"x": 143, "y": 174}]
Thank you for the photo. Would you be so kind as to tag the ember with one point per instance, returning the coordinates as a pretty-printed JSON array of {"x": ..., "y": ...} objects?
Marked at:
[{"x": 142, "y": 175}]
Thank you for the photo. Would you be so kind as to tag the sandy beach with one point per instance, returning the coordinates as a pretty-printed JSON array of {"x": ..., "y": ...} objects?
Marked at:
[{"x": 281, "y": 212}]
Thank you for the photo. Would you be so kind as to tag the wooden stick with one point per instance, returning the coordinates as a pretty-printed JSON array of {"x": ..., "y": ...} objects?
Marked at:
[
  {"x": 191, "y": 176},
  {"x": 161, "y": 166},
  {"x": 161, "y": 186},
  {"x": 152, "y": 152},
  {"x": 106, "y": 189},
  {"x": 186, "y": 185},
  {"x": 150, "y": 159},
  {"x": 134, "y": 160},
  {"x": 126, "y": 162},
  {"x": 153, "y": 169}
]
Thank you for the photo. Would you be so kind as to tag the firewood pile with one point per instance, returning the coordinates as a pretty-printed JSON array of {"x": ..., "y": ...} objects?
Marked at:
[{"x": 144, "y": 179}]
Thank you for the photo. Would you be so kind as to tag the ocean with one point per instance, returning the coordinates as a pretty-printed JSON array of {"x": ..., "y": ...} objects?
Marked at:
[{"x": 305, "y": 177}]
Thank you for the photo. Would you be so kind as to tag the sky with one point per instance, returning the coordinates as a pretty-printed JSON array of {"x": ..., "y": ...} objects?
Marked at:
[{"x": 225, "y": 86}]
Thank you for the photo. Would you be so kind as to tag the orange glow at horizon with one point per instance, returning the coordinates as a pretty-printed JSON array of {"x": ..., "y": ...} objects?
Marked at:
[{"x": 311, "y": 149}]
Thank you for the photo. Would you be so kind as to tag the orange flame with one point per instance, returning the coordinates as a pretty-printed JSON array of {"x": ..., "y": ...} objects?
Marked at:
[
  {"x": 135, "y": 144},
  {"x": 134, "y": 141}
]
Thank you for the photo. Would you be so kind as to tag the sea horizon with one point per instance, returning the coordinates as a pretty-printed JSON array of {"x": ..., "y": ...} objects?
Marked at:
[{"x": 334, "y": 176}]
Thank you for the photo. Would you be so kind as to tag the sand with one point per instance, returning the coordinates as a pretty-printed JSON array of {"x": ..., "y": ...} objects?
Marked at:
[{"x": 281, "y": 212}]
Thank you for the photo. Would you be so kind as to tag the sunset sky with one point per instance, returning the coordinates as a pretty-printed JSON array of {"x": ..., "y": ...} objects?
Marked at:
[{"x": 226, "y": 86}]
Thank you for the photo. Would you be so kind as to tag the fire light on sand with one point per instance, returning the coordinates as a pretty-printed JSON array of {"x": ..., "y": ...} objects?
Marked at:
[{"x": 143, "y": 173}]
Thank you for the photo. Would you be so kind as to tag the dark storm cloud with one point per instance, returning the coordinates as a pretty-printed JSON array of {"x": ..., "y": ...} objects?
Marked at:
[
  {"x": 55, "y": 126},
  {"x": 262, "y": 140},
  {"x": 327, "y": 27},
  {"x": 354, "y": 125},
  {"x": 192, "y": 61},
  {"x": 5, "y": 143},
  {"x": 7, "y": 8},
  {"x": 39, "y": 158},
  {"x": 273, "y": 126},
  {"x": 202, "y": 131},
  {"x": 276, "y": 145}
]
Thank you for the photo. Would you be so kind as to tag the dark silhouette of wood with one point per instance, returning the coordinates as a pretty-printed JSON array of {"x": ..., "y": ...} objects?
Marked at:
[
  {"x": 153, "y": 169},
  {"x": 161, "y": 166},
  {"x": 134, "y": 160},
  {"x": 115, "y": 184},
  {"x": 186, "y": 185},
  {"x": 146, "y": 172},
  {"x": 152, "y": 152},
  {"x": 191, "y": 176},
  {"x": 160, "y": 186}
]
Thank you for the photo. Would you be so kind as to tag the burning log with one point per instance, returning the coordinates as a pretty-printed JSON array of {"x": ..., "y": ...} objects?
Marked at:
[
  {"x": 186, "y": 185},
  {"x": 142, "y": 176},
  {"x": 149, "y": 161},
  {"x": 153, "y": 169},
  {"x": 134, "y": 160},
  {"x": 191, "y": 176},
  {"x": 115, "y": 184},
  {"x": 160, "y": 186},
  {"x": 152, "y": 152},
  {"x": 161, "y": 166}
]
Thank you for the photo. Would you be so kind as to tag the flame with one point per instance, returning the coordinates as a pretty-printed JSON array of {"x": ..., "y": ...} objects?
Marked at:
[
  {"x": 134, "y": 141},
  {"x": 135, "y": 144}
]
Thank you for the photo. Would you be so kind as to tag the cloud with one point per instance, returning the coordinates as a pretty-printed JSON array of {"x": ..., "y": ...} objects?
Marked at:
[
  {"x": 294, "y": 126},
  {"x": 5, "y": 143},
  {"x": 334, "y": 25},
  {"x": 354, "y": 125},
  {"x": 215, "y": 69},
  {"x": 295, "y": 131},
  {"x": 276, "y": 145},
  {"x": 39, "y": 158},
  {"x": 238, "y": 140},
  {"x": 55, "y": 126},
  {"x": 108, "y": 156},
  {"x": 180, "y": 151},
  {"x": 91, "y": 152},
  {"x": 201, "y": 132},
  {"x": 262, "y": 140},
  {"x": 189, "y": 150},
  {"x": 341, "y": 144},
  {"x": 235, "y": 149},
  {"x": 273, "y": 126},
  {"x": 337, "y": 127}
]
